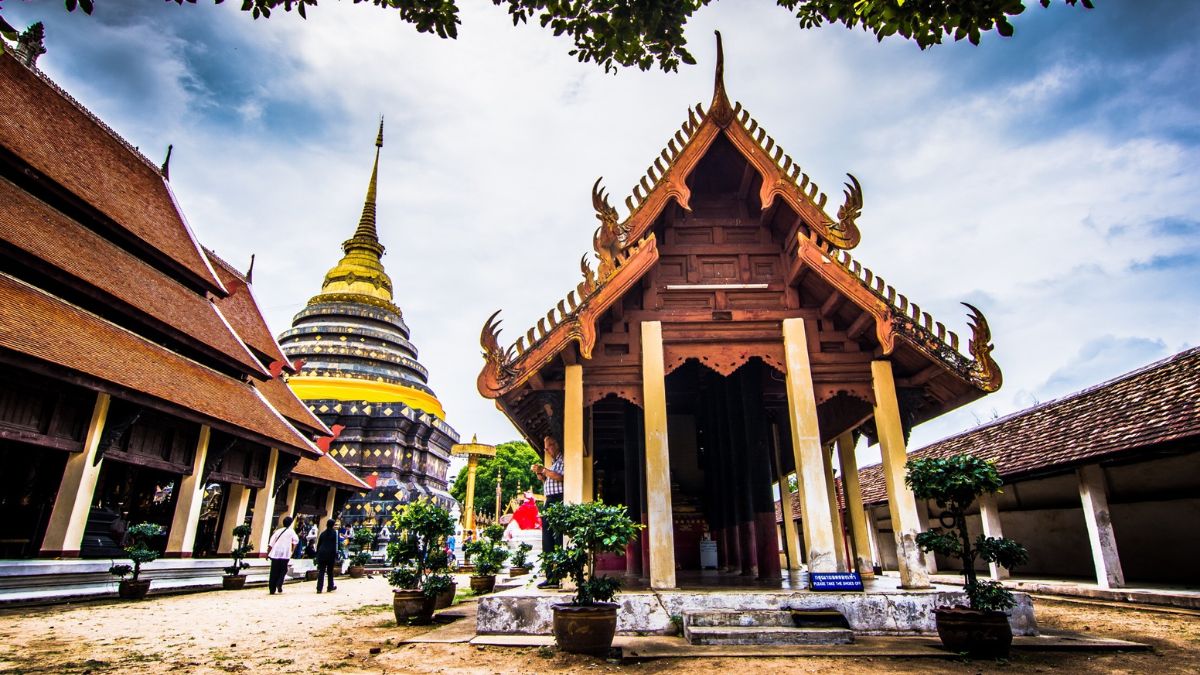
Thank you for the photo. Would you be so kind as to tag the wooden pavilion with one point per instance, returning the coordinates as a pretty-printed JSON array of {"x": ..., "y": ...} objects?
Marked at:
[{"x": 726, "y": 323}]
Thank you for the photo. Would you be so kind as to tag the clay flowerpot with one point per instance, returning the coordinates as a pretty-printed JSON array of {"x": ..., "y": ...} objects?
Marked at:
[
  {"x": 483, "y": 584},
  {"x": 233, "y": 582},
  {"x": 411, "y": 606},
  {"x": 129, "y": 589},
  {"x": 518, "y": 571},
  {"x": 445, "y": 599},
  {"x": 585, "y": 629},
  {"x": 310, "y": 575},
  {"x": 356, "y": 571},
  {"x": 976, "y": 633}
]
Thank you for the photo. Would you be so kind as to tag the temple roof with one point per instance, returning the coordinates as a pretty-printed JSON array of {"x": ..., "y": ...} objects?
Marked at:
[
  {"x": 328, "y": 471},
  {"x": 627, "y": 249},
  {"x": 244, "y": 314},
  {"x": 41, "y": 235},
  {"x": 1150, "y": 407},
  {"x": 74, "y": 155},
  {"x": 40, "y": 326}
]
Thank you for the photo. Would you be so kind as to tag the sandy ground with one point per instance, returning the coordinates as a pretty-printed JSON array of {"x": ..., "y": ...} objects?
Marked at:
[{"x": 302, "y": 632}]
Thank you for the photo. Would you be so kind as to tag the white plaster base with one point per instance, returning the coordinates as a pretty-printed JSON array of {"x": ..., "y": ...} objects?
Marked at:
[{"x": 527, "y": 611}]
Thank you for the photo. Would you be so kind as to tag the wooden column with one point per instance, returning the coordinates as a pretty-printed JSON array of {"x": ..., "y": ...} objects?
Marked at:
[
  {"x": 989, "y": 513},
  {"x": 1093, "y": 492},
  {"x": 73, "y": 503},
  {"x": 658, "y": 460},
  {"x": 835, "y": 513},
  {"x": 790, "y": 536},
  {"x": 264, "y": 508},
  {"x": 235, "y": 514},
  {"x": 864, "y": 558},
  {"x": 806, "y": 447},
  {"x": 573, "y": 471},
  {"x": 330, "y": 505},
  {"x": 181, "y": 538},
  {"x": 901, "y": 502}
]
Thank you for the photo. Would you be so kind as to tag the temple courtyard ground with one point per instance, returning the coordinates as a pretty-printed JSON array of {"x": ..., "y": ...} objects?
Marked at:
[{"x": 353, "y": 631}]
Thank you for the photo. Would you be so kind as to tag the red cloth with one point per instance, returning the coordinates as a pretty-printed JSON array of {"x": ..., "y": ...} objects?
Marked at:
[{"x": 527, "y": 516}]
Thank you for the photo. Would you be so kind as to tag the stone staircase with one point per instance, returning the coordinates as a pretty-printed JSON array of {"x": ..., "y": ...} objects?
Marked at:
[{"x": 766, "y": 627}]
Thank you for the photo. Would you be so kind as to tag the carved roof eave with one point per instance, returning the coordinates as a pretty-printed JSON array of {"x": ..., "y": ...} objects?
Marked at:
[
  {"x": 782, "y": 178},
  {"x": 507, "y": 369},
  {"x": 894, "y": 316}
]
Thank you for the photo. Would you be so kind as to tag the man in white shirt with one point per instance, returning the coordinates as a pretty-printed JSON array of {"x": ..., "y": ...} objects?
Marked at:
[{"x": 279, "y": 550}]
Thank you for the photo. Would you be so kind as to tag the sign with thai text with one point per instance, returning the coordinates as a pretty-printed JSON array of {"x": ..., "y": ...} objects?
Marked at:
[{"x": 835, "y": 581}]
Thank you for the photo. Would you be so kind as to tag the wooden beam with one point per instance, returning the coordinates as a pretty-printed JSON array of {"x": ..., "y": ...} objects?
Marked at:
[
  {"x": 859, "y": 326},
  {"x": 831, "y": 304},
  {"x": 747, "y": 179},
  {"x": 923, "y": 376}
]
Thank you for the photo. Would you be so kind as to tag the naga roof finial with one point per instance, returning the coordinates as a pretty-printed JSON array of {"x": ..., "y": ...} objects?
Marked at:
[
  {"x": 720, "y": 110},
  {"x": 165, "y": 169}
]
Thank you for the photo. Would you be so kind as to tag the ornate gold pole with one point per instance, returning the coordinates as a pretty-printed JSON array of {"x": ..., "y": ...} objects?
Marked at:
[{"x": 472, "y": 451}]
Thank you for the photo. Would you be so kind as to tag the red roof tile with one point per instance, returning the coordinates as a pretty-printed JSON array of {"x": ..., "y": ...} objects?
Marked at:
[
  {"x": 1156, "y": 404},
  {"x": 39, "y": 325},
  {"x": 284, "y": 400},
  {"x": 32, "y": 226},
  {"x": 56, "y": 136},
  {"x": 328, "y": 470},
  {"x": 243, "y": 313}
]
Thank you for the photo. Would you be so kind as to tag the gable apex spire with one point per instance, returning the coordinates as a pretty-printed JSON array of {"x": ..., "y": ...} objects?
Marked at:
[
  {"x": 720, "y": 109},
  {"x": 366, "y": 223}
]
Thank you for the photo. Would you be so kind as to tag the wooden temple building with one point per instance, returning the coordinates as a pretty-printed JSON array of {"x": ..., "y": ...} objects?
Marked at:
[
  {"x": 724, "y": 339},
  {"x": 138, "y": 379},
  {"x": 358, "y": 372}
]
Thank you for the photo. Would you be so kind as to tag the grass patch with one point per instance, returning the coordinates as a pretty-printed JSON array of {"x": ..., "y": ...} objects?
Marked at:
[
  {"x": 463, "y": 594},
  {"x": 366, "y": 609}
]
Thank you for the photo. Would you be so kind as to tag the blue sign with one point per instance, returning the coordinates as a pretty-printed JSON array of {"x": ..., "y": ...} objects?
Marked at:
[{"x": 835, "y": 581}]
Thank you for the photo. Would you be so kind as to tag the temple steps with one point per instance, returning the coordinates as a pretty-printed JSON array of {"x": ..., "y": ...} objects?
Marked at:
[{"x": 766, "y": 627}]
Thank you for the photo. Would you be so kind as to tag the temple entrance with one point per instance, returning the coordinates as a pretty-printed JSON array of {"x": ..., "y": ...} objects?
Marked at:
[
  {"x": 28, "y": 486},
  {"x": 126, "y": 494}
]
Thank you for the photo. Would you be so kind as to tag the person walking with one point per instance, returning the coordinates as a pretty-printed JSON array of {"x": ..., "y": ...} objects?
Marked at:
[
  {"x": 327, "y": 548},
  {"x": 552, "y": 487},
  {"x": 279, "y": 550}
]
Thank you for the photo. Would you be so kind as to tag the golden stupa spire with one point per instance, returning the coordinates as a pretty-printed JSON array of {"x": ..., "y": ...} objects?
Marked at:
[{"x": 360, "y": 271}]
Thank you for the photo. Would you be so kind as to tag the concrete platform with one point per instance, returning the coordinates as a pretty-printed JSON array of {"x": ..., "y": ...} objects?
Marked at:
[
  {"x": 53, "y": 581},
  {"x": 883, "y": 609},
  {"x": 1145, "y": 594}
]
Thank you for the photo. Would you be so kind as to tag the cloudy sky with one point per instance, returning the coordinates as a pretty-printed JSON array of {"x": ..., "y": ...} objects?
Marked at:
[{"x": 1050, "y": 179}]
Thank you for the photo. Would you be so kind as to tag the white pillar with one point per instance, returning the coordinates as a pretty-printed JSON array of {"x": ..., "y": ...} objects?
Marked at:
[
  {"x": 330, "y": 504},
  {"x": 989, "y": 513},
  {"x": 901, "y": 502},
  {"x": 658, "y": 460},
  {"x": 807, "y": 450},
  {"x": 572, "y": 448},
  {"x": 835, "y": 514},
  {"x": 923, "y": 518},
  {"x": 790, "y": 536},
  {"x": 1093, "y": 492},
  {"x": 293, "y": 491},
  {"x": 264, "y": 507},
  {"x": 181, "y": 538},
  {"x": 73, "y": 503},
  {"x": 863, "y": 556},
  {"x": 235, "y": 514}
]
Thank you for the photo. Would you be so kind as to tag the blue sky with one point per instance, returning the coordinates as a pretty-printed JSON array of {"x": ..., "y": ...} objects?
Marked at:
[{"x": 1051, "y": 179}]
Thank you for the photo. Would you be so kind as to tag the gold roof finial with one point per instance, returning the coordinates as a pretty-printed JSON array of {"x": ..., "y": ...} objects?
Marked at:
[
  {"x": 720, "y": 109},
  {"x": 366, "y": 224}
]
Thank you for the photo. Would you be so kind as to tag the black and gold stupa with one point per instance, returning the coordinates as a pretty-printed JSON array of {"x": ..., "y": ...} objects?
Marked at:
[{"x": 361, "y": 372}]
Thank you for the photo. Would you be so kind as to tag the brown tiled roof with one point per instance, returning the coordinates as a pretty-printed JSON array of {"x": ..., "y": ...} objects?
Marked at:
[
  {"x": 36, "y": 324},
  {"x": 284, "y": 400},
  {"x": 243, "y": 313},
  {"x": 1156, "y": 404},
  {"x": 29, "y": 225},
  {"x": 329, "y": 471},
  {"x": 56, "y": 136}
]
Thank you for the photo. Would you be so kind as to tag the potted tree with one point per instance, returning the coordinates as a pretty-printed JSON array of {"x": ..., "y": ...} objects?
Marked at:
[
  {"x": 980, "y": 629},
  {"x": 488, "y": 553},
  {"x": 420, "y": 577},
  {"x": 520, "y": 560},
  {"x": 139, "y": 552},
  {"x": 587, "y": 624},
  {"x": 360, "y": 552},
  {"x": 233, "y": 579}
]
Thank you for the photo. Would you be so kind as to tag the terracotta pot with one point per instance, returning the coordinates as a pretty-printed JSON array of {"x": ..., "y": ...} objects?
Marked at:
[
  {"x": 483, "y": 584},
  {"x": 310, "y": 575},
  {"x": 411, "y": 606},
  {"x": 518, "y": 571},
  {"x": 585, "y": 629},
  {"x": 356, "y": 571},
  {"x": 974, "y": 632},
  {"x": 233, "y": 582},
  {"x": 445, "y": 599},
  {"x": 129, "y": 589}
]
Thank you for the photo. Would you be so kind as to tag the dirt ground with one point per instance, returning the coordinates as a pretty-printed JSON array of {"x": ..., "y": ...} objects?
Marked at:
[{"x": 301, "y": 632}]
